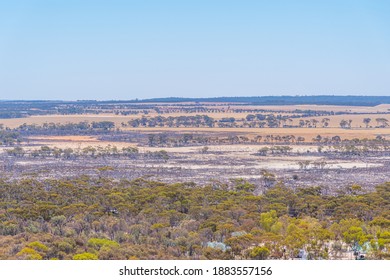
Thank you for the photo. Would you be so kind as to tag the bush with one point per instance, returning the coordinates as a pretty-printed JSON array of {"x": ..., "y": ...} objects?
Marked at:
[
  {"x": 98, "y": 243},
  {"x": 85, "y": 256},
  {"x": 259, "y": 253}
]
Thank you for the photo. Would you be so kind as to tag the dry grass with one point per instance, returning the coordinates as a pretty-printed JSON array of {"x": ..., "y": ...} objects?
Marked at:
[
  {"x": 357, "y": 120},
  {"x": 117, "y": 119},
  {"x": 351, "y": 109},
  {"x": 358, "y": 127},
  {"x": 283, "y": 110},
  {"x": 39, "y": 120}
]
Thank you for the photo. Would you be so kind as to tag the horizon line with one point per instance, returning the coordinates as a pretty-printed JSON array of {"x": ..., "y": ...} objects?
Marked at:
[{"x": 188, "y": 98}]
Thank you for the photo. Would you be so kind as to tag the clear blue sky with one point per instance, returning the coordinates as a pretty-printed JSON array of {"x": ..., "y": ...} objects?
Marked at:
[{"x": 192, "y": 48}]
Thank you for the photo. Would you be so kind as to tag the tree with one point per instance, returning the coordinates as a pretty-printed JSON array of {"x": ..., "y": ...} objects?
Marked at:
[
  {"x": 317, "y": 139},
  {"x": 250, "y": 117},
  {"x": 263, "y": 151},
  {"x": 269, "y": 179},
  {"x": 59, "y": 222},
  {"x": 366, "y": 121},
  {"x": 320, "y": 164},
  {"x": 382, "y": 122},
  {"x": 259, "y": 253},
  {"x": 268, "y": 219},
  {"x": 325, "y": 122},
  {"x": 300, "y": 139},
  {"x": 345, "y": 123},
  {"x": 355, "y": 235},
  {"x": 304, "y": 164}
]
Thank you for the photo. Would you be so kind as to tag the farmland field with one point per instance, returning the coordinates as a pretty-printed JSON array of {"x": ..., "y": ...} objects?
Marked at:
[{"x": 229, "y": 143}]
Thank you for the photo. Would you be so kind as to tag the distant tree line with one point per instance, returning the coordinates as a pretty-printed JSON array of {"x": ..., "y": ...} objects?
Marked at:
[
  {"x": 66, "y": 128},
  {"x": 9, "y": 138},
  {"x": 89, "y": 151}
]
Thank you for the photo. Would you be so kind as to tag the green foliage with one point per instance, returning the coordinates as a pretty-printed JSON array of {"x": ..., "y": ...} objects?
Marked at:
[
  {"x": 38, "y": 246},
  {"x": 9, "y": 138},
  {"x": 29, "y": 254},
  {"x": 97, "y": 243},
  {"x": 355, "y": 235},
  {"x": 268, "y": 219},
  {"x": 73, "y": 219},
  {"x": 259, "y": 253},
  {"x": 242, "y": 185},
  {"x": 85, "y": 256}
]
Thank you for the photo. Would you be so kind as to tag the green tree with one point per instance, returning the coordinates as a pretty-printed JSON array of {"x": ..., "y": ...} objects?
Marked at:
[{"x": 259, "y": 253}]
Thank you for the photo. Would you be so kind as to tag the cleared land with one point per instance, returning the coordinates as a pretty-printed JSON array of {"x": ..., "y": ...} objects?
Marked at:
[{"x": 227, "y": 155}]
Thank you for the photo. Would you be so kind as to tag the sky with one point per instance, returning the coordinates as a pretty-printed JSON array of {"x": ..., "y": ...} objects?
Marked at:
[{"x": 105, "y": 50}]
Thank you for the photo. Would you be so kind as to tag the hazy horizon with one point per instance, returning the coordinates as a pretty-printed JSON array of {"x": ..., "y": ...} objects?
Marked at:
[
  {"x": 190, "y": 97},
  {"x": 123, "y": 50}
]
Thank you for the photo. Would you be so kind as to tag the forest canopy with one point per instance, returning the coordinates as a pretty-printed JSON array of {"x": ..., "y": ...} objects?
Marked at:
[{"x": 85, "y": 218}]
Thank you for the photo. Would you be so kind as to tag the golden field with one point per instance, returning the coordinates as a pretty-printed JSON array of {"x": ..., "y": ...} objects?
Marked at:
[{"x": 358, "y": 128}]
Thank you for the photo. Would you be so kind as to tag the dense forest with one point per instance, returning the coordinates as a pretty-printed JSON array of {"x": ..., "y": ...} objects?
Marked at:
[{"x": 101, "y": 218}]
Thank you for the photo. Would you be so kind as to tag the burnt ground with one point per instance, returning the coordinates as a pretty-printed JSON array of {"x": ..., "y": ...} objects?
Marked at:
[{"x": 223, "y": 165}]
